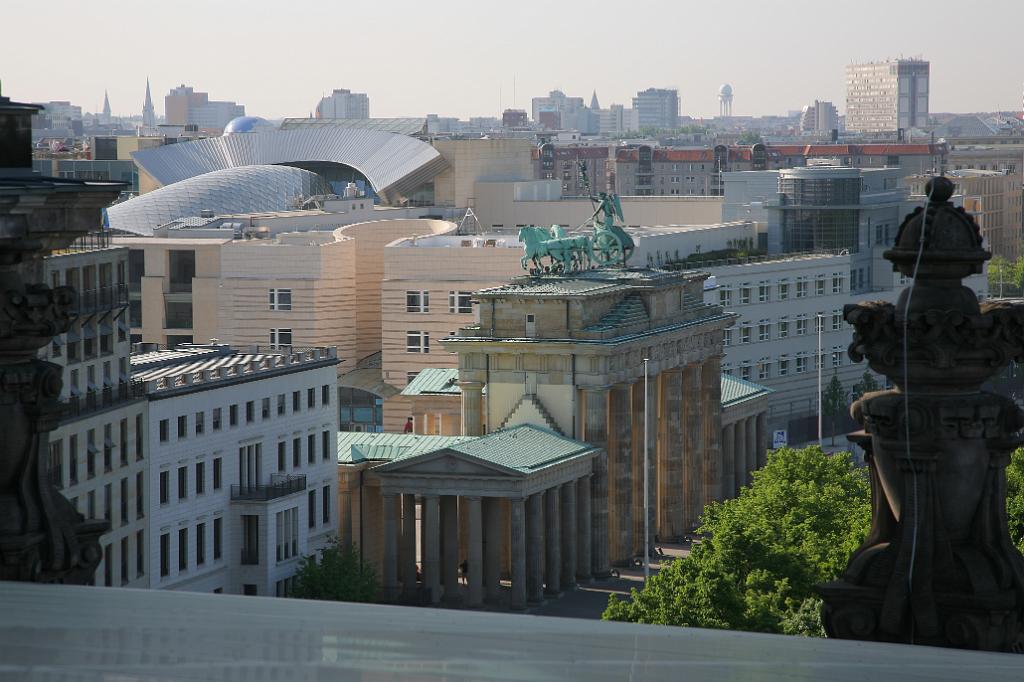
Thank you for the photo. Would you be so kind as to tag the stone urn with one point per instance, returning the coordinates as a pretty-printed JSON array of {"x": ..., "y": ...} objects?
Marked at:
[{"x": 938, "y": 566}]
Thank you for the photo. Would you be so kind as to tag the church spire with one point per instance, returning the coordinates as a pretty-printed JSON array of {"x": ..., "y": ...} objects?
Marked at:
[
  {"x": 593, "y": 101},
  {"x": 148, "y": 113},
  {"x": 106, "y": 107}
]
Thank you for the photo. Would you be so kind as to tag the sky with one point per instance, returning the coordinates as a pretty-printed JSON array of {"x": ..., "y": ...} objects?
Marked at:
[{"x": 474, "y": 58}]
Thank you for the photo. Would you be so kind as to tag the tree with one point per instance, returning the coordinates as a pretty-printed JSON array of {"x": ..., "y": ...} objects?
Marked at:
[
  {"x": 338, "y": 575},
  {"x": 762, "y": 552},
  {"x": 833, "y": 400},
  {"x": 867, "y": 384},
  {"x": 749, "y": 137},
  {"x": 1015, "y": 497}
]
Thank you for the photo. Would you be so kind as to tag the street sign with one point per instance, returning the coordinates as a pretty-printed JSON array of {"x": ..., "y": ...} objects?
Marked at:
[{"x": 779, "y": 439}]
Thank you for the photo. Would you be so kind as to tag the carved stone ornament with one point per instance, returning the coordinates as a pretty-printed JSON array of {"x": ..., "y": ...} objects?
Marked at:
[{"x": 938, "y": 566}]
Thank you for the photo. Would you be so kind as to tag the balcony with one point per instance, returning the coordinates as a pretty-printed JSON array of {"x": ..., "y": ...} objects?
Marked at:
[
  {"x": 100, "y": 399},
  {"x": 100, "y": 300},
  {"x": 280, "y": 485}
]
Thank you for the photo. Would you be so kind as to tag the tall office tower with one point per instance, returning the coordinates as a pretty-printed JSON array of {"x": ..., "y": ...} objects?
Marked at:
[
  {"x": 887, "y": 96},
  {"x": 657, "y": 107},
  {"x": 344, "y": 104},
  {"x": 148, "y": 112},
  {"x": 725, "y": 100}
]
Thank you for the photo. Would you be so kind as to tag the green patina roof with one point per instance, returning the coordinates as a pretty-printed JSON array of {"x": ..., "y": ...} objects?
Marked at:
[
  {"x": 434, "y": 381},
  {"x": 587, "y": 282},
  {"x": 355, "y": 447},
  {"x": 736, "y": 390},
  {"x": 525, "y": 448}
]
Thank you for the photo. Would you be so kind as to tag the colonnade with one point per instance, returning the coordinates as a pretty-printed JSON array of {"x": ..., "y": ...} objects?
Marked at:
[
  {"x": 548, "y": 535},
  {"x": 744, "y": 449}
]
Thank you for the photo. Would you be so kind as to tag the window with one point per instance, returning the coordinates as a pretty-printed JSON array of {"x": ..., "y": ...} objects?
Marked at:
[
  {"x": 727, "y": 338},
  {"x": 108, "y": 447},
  {"x": 762, "y": 292},
  {"x": 281, "y": 337},
  {"x": 182, "y": 426},
  {"x": 801, "y": 364},
  {"x": 139, "y": 433},
  {"x": 280, "y": 404},
  {"x": 287, "y": 533},
  {"x": 200, "y": 544},
  {"x": 745, "y": 372},
  {"x": 200, "y": 422},
  {"x": 165, "y": 555},
  {"x": 837, "y": 357},
  {"x": 165, "y": 487},
  {"x": 250, "y": 411},
  {"x": 165, "y": 430},
  {"x": 140, "y": 554},
  {"x": 801, "y": 325},
  {"x": 280, "y": 299},
  {"x": 745, "y": 334},
  {"x": 763, "y": 333},
  {"x": 57, "y": 463},
  {"x": 251, "y": 539},
  {"x": 725, "y": 297},
  {"x": 417, "y": 342},
  {"x": 216, "y": 418},
  {"x": 744, "y": 294},
  {"x": 819, "y": 323},
  {"x": 183, "y": 549},
  {"x": 325, "y": 445},
  {"x": 182, "y": 483},
  {"x": 124, "y": 501},
  {"x": 311, "y": 448},
  {"x": 123, "y": 441},
  {"x": 783, "y": 328},
  {"x": 140, "y": 501},
  {"x": 311, "y": 510},
  {"x": 296, "y": 401},
  {"x": 763, "y": 369},
  {"x": 200, "y": 478},
  {"x": 327, "y": 504},
  {"x": 217, "y": 533},
  {"x": 417, "y": 301},
  {"x": 108, "y": 497},
  {"x": 460, "y": 302},
  {"x": 837, "y": 320},
  {"x": 282, "y": 449},
  {"x": 124, "y": 560},
  {"x": 310, "y": 398},
  {"x": 325, "y": 394},
  {"x": 265, "y": 408},
  {"x": 296, "y": 453},
  {"x": 837, "y": 283},
  {"x": 819, "y": 285},
  {"x": 233, "y": 415},
  {"x": 801, "y": 287},
  {"x": 216, "y": 473},
  {"x": 783, "y": 366}
]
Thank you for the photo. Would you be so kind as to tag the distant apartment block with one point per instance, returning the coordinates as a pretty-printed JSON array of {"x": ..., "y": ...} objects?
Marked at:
[
  {"x": 657, "y": 108},
  {"x": 887, "y": 96},
  {"x": 551, "y": 162},
  {"x": 184, "y": 106},
  {"x": 344, "y": 104},
  {"x": 820, "y": 117}
]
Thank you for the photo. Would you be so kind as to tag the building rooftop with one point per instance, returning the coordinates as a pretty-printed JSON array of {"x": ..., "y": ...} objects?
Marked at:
[
  {"x": 601, "y": 280},
  {"x": 434, "y": 381},
  {"x": 525, "y": 448},
  {"x": 402, "y": 126},
  {"x": 359, "y": 446},
  {"x": 64, "y": 632},
  {"x": 736, "y": 390}
]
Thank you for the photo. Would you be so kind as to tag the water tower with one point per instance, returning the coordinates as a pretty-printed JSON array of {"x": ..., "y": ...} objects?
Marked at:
[{"x": 725, "y": 100}]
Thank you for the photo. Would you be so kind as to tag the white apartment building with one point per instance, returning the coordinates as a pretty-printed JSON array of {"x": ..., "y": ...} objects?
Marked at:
[
  {"x": 97, "y": 454},
  {"x": 342, "y": 103},
  {"x": 242, "y": 465},
  {"x": 887, "y": 96}
]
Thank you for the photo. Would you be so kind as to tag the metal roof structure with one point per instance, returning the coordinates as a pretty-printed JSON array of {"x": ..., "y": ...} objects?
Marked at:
[
  {"x": 525, "y": 448},
  {"x": 736, "y": 390},
  {"x": 231, "y": 190},
  {"x": 402, "y": 126},
  {"x": 394, "y": 164},
  {"x": 358, "y": 446},
  {"x": 434, "y": 381}
]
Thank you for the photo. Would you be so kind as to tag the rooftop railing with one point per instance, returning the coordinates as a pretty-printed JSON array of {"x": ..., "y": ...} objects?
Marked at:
[
  {"x": 101, "y": 299},
  {"x": 110, "y": 396}
]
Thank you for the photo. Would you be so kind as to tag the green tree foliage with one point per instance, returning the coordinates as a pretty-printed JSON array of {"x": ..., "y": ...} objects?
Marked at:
[
  {"x": 337, "y": 575},
  {"x": 1015, "y": 497},
  {"x": 763, "y": 552},
  {"x": 1006, "y": 278},
  {"x": 833, "y": 401},
  {"x": 867, "y": 384},
  {"x": 749, "y": 137}
]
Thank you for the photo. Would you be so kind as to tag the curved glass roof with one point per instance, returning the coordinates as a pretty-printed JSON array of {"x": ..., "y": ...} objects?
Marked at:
[
  {"x": 395, "y": 165},
  {"x": 246, "y": 189}
]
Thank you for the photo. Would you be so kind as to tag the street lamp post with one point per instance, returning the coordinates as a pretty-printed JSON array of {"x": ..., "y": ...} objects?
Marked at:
[
  {"x": 821, "y": 325},
  {"x": 647, "y": 517}
]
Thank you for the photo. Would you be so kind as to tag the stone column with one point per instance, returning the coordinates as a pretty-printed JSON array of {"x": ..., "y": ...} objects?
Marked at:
[
  {"x": 407, "y": 552},
  {"x": 450, "y": 547},
  {"x": 553, "y": 541},
  {"x": 750, "y": 428},
  {"x": 534, "y": 546},
  {"x": 568, "y": 535},
  {"x": 729, "y": 488},
  {"x": 345, "y": 516},
  {"x": 584, "y": 516},
  {"x": 472, "y": 408},
  {"x": 432, "y": 546},
  {"x": 390, "y": 572},
  {"x": 711, "y": 426},
  {"x": 475, "y": 575},
  {"x": 518, "y": 545},
  {"x": 636, "y": 408},
  {"x": 596, "y": 433},
  {"x": 693, "y": 465},
  {"x": 739, "y": 454},
  {"x": 670, "y": 525},
  {"x": 762, "y": 439},
  {"x": 620, "y": 476},
  {"x": 493, "y": 542}
]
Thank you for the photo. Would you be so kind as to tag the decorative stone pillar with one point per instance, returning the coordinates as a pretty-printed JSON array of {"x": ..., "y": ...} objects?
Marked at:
[
  {"x": 584, "y": 516},
  {"x": 729, "y": 488},
  {"x": 568, "y": 535},
  {"x": 475, "y": 562},
  {"x": 518, "y": 545},
  {"x": 739, "y": 437},
  {"x": 693, "y": 463},
  {"x": 534, "y": 548},
  {"x": 938, "y": 566},
  {"x": 750, "y": 430},
  {"x": 407, "y": 552},
  {"x": 553, "y": 542},
  {"x": 450, "y": 547},
  {"x": 596, "y": 433},
  {"x": 432, "y": 547},
  {"x": 711, "y": 427},
  {"x": 493, "y": 542},
  {"x": 636, "y": 409},
  {"x": 345, "y": 515},
  {"x": 762, "y": 439},
  {"x": 472, "y": 408},
  {"x": 620, "y": 476},
  {"x": 390, "y": 573},
  {"x": 670, "y": 526}
]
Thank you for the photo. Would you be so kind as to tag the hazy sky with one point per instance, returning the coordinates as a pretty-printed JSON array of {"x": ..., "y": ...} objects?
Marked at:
[{"x": 461, "y": 57}]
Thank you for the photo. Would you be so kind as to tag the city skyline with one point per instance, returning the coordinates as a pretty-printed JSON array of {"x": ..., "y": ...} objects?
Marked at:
[{"x": 270, "y": 82}]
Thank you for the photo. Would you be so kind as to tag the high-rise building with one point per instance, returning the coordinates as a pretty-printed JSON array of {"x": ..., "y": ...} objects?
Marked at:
[
  {"x": 887, "y": 96},
  {"x": 184, "y": 106},
  {"x": 514, "y": 118},
  {"x": 657, "y": 108},
  {"x": 148, "y": 112},
  {"x": 344, "y": 104},
  {"x": 820, "y": 117}
]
